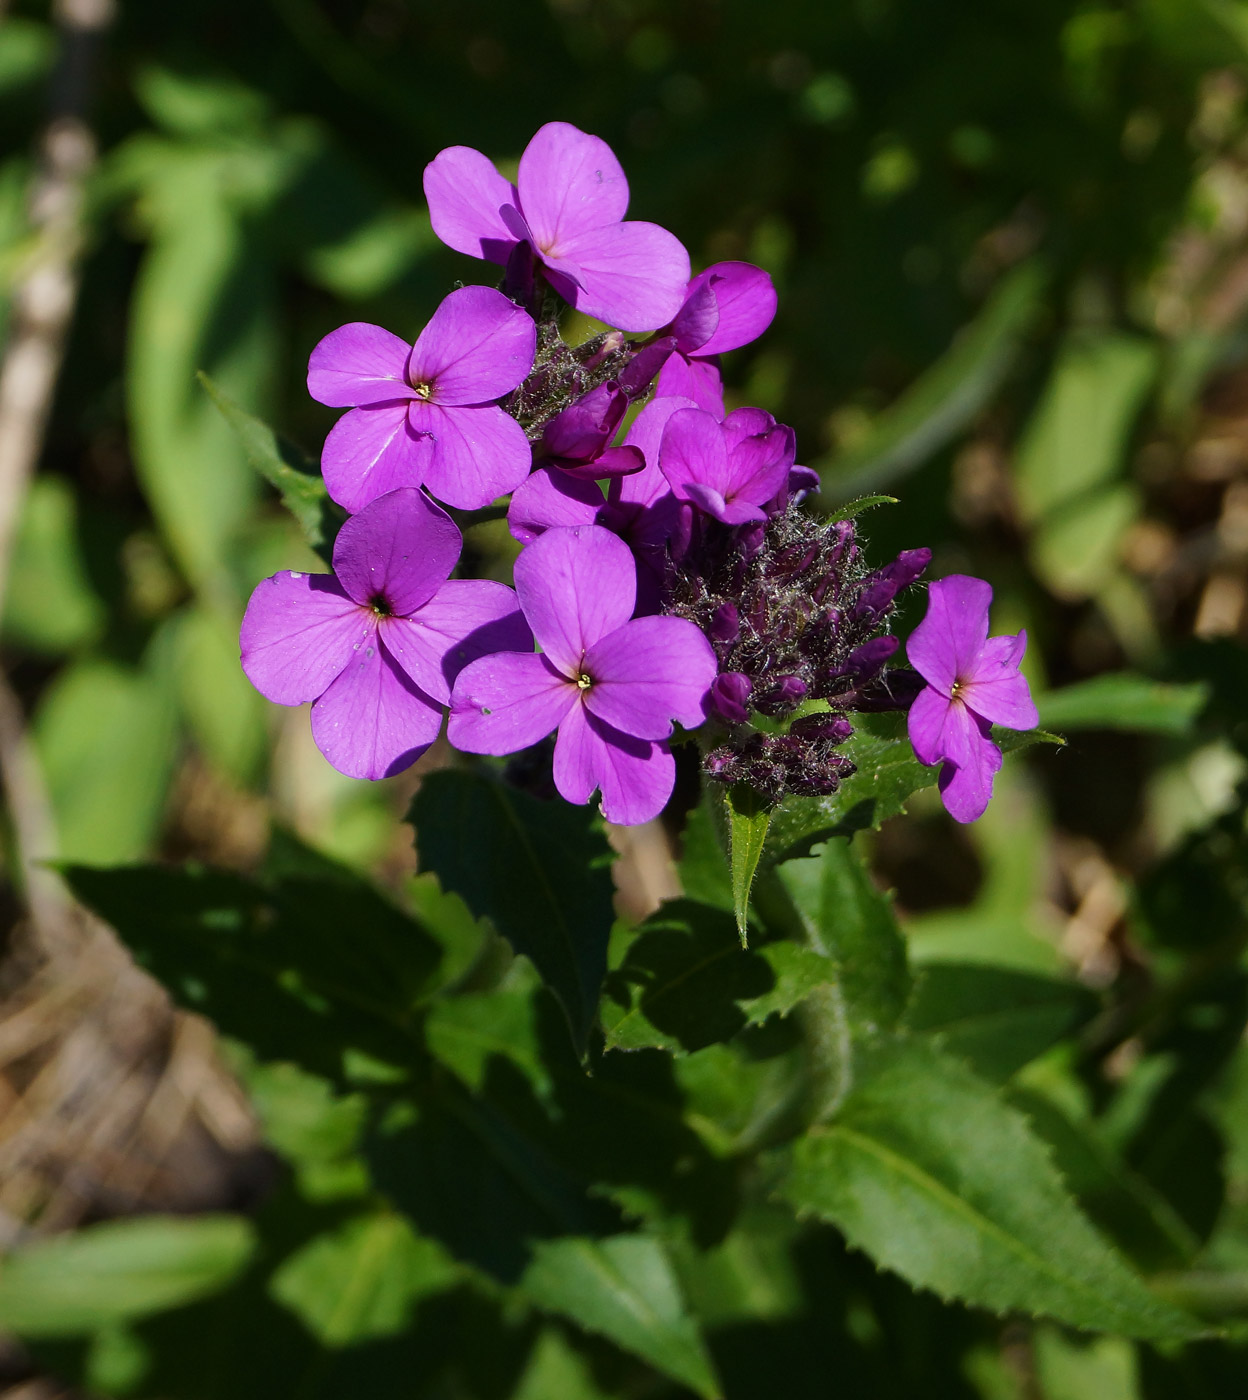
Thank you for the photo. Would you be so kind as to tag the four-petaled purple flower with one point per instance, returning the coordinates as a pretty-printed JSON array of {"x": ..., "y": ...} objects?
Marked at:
[
  {"x": 610, "y": 683},
  {"x": 377, "y": 643},
  {"x": 427, "y": 414},
  {"x": 973, "y": 682},
  {"x": 727, "y": 306},
  {"x": 568, "y": 204},
  {"x": 730, "y": 470}
]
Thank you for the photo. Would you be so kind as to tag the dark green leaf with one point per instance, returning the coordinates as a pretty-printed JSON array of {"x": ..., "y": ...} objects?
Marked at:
[
  {"x": 944, "y": 400},
  {"x": 1123, "y": 701},
  {"x": 538, "y": 870},
  {"x": 929, "y": 1172},
  {"x": 686, "y": 982},
  {"x": 284, "y": 466},
  {"x": 748, "y": 817},
  {"x": 624, "y": 1288},
  {"x": 995, "y": 1019},
  {"x": 104, "y": 1274}
]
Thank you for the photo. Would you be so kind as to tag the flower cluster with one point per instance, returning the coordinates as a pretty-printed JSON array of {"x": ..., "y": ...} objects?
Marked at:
[{"x": 671, "y": 578}]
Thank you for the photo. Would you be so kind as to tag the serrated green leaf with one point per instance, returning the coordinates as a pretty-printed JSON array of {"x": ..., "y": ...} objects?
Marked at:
[
  {"x": 851, "y": 509},
  {"x": 748, "y": 816},
  {"x": 282, "y": 465},
  {"x": 996, "y": 1019},
  {"x": 686, "y": 982},
  {"x": 464, "y": 1032},
  {"x": 852, "y": 924},
  {"x": 623, "y": 1288},
  {"x": 1124, "y": 701},
  {"x": 929, "y": 1172},
  {"x": 538, "y": 870},
  {"x": 73, "y": 1285},
  {"x": 361, "y": 1280}
]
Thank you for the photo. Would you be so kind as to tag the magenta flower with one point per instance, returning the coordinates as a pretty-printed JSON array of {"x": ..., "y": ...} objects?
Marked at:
[
  {"x": 730, "y": 470},
  {"x": 610, "y": 683},
  {"x": 725, "y": 307},
  {"x": 427, "y": 414},
  {"x": 568, "y": 204},
  {"x": 377, "y": 643},
  {"x": 973, "y": 682},
  {"x": 640, "y": 507}
]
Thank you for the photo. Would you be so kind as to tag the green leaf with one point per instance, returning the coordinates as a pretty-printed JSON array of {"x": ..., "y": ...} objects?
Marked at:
[
  {"x": 224, "y": 711},
  {"x": 282, "y": 465},
  {"x": 50, "y": 605},
  {"x": 685, "y": 981},
  {"x": 556, "y": 1370},
  {"x": 851, "y": 509},
  {"x": 106, "y": 736},
  {"x": 100, "y": 1275},
  {"x": 946, "y": 397},
  {"x": 929, "y": 1172},
  {"x": 748, "y": 816},
  {"x": 995, "y": 1019},
  {"x": 27, "y": 54},
  {"x": 623, "y": 1288},
  {"x": 1124, "y": 701},
  {"x": 851, "y": 923},
  {"x": 269, "y": 963},
  {"x": 464, "y": 1032},
  {"x": 362, "y": 1280},
  {"x": 538, "y": 870}
]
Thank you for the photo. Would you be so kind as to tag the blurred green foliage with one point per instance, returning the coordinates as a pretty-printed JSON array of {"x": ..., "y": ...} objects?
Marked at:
[{"x": 868, "y": 1152}]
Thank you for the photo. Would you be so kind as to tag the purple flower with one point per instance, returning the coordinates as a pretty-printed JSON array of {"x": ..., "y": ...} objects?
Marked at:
[
  {"x": 377, "y": 643},
  {"x": 725, "y": 307},
  {"x": 640, "y": 507},
  {"x": 576, "y": 440},
  {"x": 730, "y": 470},
  {"x": 427, "y": 414},
  {"x": 973, "y": 682},
  {"x": 610, "y": 683},
  {"x": 568, "y": 204}
]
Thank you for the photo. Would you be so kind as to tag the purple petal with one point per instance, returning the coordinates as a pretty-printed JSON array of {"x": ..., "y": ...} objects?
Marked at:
[
  {"x": 998, "y": 691},
  {"x": 476, "y": 347},
  {"x": 631, "y": 275},
  {"x": 758, "y": 467},
  {"x": 693, "y": 450},
  {"x": 474, "y": 456},
  {"x": 298, "y": 633},
  {"x": 370, "y": 451},
  {"x": 945, "y": 646},
  {"x": 550, "y": 497},
  {"x": 966, "y": 786},
  {"x": 697, "y": 380},
  {"x": 634, "y": 776},
  {"x": 649, "y": 672},
  {"x": 698, "y": 319},
  {"x": 569, "y": 182},
  {"x": 611, "y": 463},
  {"x": 735, "y": 512},
  {"x": 746, "y": 300},
  {"x": 635, "y": 377},
  {"x": 465, "y": 195},
  {"x": 504, "y": 702},
  {"x": 468, "y": 619},
  {"x": 399, "y": 548},
  {"x": 648, "y": 485},
  {"x": 359, "y": 364},
  {"x": 373, "y": 722},
  {"x": 925, "y": 724},
  {"x": 744, "y": 423},
  {"x": 575, "y": 587},
  {"x": 581, "y": 431}
]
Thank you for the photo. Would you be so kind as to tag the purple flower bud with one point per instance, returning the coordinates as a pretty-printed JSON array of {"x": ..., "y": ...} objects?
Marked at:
[
  {"x": 891, "y": 580},
  {"x": 785, "y": 693},
  {"x": 725, "y": 624},
  {"x": 864, "y": 661},
  {"x": 730, "y": 696},
  {"x": 580, "y": 433},
  {"x": 833, "y": 729},
  {"x": 636, "y": 376}
]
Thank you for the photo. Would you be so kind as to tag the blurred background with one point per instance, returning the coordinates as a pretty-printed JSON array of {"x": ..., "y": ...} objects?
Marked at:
[{"x": 1011, "y": 247}]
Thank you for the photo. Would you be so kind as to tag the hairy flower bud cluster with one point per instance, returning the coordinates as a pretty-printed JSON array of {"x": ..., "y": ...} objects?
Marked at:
[{"x": 794, "y": 616}]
